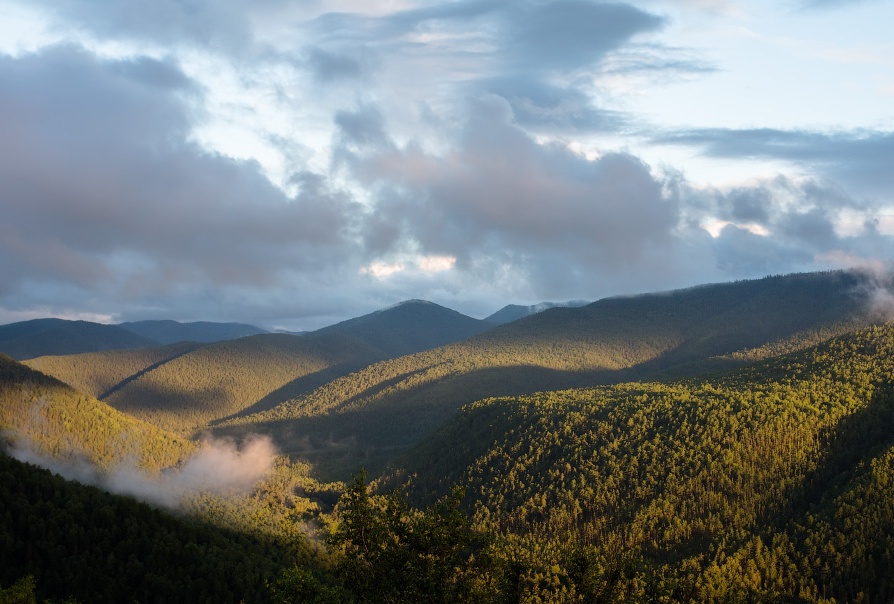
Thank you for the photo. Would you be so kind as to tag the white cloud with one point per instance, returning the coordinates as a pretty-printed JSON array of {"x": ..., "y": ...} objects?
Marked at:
[
  {"x": 381, "y": 270},
  {"x": 294, "y": 163},
  {"x": 436, "y": 264}
]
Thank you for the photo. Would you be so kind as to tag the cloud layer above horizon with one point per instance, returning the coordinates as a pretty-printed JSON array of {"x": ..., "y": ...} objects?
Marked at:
[{"x": 293, "y": 164}]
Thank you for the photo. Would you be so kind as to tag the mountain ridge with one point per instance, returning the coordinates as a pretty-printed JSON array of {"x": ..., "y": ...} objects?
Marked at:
[
  {"x": 514, "y": 312},
  {"x": 39, "y": 337},
  {"x": 394, "y": 402},
  {"x": 206, "y": 332},
  {"x": 410, "y": 326}
]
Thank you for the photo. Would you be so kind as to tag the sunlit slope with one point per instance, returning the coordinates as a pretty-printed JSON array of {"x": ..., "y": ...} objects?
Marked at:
[
  {"x": 39, "y": 337},
  {"x": 225, "y": 378},
  {"x": 395, "y": 402},
  {"x": 760, "y": 482},
  {"x": 42, "y": 413},
  {"x": 409, "y": 327},
  {"x": 98, "y": 373}
]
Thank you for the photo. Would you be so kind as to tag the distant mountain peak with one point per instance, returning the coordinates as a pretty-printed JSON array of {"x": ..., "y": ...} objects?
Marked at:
[
  {"x": 410, "y": 326},
  {"x": 411, "y": 302},
  {"x": 513, "y": 312}
]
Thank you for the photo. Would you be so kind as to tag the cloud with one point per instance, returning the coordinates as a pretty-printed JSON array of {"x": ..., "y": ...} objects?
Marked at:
[
  {"x": 833, "y": 4},
  {"x": 511, "y": 208},
  {"x": 499, "y": 194},
  {"x": 331, "y": 67},
  {"x": 859, "y": 159},
  {"x": 219, "y": 467},
  {"x": 568, "y": 34},
  {"x": 539, "y": 105},
  {"x": 395, "y": 133},
  {"x": 104, "y": 192},
  {"x": 540, "y": 56},
  {"x": 739, "y": 251},
  {"x": 224, "y": 26},
  {"x": 877, "y": 285}
]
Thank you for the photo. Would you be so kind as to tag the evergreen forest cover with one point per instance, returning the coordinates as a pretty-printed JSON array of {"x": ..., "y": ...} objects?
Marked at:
[{"x": 726, "y": 443}]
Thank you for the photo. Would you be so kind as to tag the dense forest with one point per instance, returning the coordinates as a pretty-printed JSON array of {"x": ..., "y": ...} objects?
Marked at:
[
  {"x": 696, "y": 460},
  {"x": 387, "y": 406}
]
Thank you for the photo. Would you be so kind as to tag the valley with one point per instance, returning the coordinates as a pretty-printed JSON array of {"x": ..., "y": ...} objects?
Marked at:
[{"x": 723, "y": 443}]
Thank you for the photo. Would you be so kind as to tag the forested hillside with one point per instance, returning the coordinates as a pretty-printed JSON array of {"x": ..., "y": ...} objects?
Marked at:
[
  {"x": 773, "y": 483},
  {"x": 99, "y": 373},
  {"x": 226, "y": 378},
  {"x": 78, "y": 542},
  {"x": 186, "y": 386},
  {"x": 727, "y": 443},
  {"x": 40, "y": 412},
  {"x": 394, "y": 403}
]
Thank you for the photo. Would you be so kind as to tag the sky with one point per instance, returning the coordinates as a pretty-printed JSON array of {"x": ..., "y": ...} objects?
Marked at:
[{"x": 293, "y": 163}]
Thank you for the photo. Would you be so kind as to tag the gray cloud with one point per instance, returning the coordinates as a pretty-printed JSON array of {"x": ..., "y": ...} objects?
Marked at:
[
  {"x": 364, "y": 127},
  {"x": 862, "y": 160},
  {"x": 568, "y": 34},
  {"x": 103, "y": 192},
  {"x": 330, "y": 67},
  {"x": 108, "y": 205},
  {"x": 832, "y": 4},
  {"x": 537, "y": 104},
  {"x": 222, "y": 26},
  {"x": 749, "y": 204},
  {"x": 501, "y": 195},
  {"x": 747, "y": 255},
  {"x": 502, "y": 203},
  {"x": 790, "y": 225},
  {"x": 513, "y": 49}
]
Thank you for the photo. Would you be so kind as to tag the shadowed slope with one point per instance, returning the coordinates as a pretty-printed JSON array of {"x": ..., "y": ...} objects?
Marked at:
[
  {"x": 514, "y": 312},
  {"x": 171, "y": 332},
  {"x": 40, "y": 337},
  {"x": 609, "y": 341},
  {"x": 409, "y": 327}
]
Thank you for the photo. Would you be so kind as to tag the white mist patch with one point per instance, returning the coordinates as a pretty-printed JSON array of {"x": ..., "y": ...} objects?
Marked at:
[
  {"x": 881, "y": 304},
  {"x": 879, "y": 286},
  {"x": 219, "y": 467}
]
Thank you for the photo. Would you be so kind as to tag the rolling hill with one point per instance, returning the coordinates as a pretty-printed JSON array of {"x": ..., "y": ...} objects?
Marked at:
[
  {"x": 99, "y": 373},
  {"x": 725, "y": 443},
  {"x": 186, "y": 386},
  {"x": 39, "y": 337},
  {"x": 218, "y": 380},
  {"x": 42, "y": 413},
  {"x": 394, "y": 403},
  {"x": 747, "y": 486}
]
